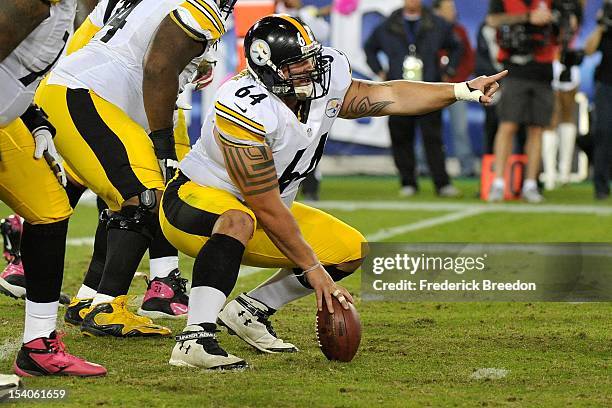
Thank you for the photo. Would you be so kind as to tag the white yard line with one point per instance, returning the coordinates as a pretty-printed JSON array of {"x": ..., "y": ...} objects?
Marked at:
[
  {"x": 387, "y": 233},
  {"x": 520, "y": 208},
  {"x": 80, "y": 241}
]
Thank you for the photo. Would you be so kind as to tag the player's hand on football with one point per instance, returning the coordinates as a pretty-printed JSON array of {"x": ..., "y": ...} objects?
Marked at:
[
  {"x": 488, "y": 85},
  {"x": 325, "y": 287},
  {"x": 44, "y": 147}
]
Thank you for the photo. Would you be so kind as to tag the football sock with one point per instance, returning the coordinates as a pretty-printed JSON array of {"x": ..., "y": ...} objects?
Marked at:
[
  {"x": 567, "y": 133},
  {"x": 161, "y": 267},
  {"x": 125, "y": 249},
  {"x": 530, "y": 184},
  {"x": 98, "y": 258},
  {"x": 85, "y": 292},
  {"x": 205, "y": 303},
  {"x": 40, "y": 319},
  {"x": 101, "y": 298},
  {"x": 498, "y": 182},
  {"x": 43, "y": 247},
  {"x": 281, "y": 288},
  {"x": 163, "y": 256},
  {"x": 215, "y": 272},
  {"x": 549, "y": 157}
]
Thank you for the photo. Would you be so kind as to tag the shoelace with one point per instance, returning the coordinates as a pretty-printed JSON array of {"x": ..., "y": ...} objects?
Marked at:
[
  {"x": 56, "y": 344},
  {"x": 266, "y": 321},
  {"x": 211, "y": 345}
]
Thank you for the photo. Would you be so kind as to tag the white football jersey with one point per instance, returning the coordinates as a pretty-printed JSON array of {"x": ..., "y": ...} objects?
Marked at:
[
  {"x": 23, "y": 69},
  {"x": 246, "y": 113},
  {"x": 112, "y": 63}
]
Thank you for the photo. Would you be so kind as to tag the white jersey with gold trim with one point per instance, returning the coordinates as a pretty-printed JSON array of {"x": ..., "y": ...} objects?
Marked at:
[
  {"x": 23, "y": 69},
  {"x": 246, "y": 113},
  {"x": 111, "y": 64}
]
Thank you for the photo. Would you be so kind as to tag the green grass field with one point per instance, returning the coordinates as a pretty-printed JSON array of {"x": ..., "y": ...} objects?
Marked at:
[{"x": 412, "y": 354}]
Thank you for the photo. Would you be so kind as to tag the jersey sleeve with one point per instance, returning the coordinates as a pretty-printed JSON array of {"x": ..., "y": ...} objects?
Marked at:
[
  {"x": 341, "y": 72},
  {"x": 240, "y": 123},
  {"x": 200, "y": 19}
]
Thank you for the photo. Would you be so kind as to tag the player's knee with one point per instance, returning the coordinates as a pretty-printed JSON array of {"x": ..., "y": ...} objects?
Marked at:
[
  {"x": 351, "y": 266},
  {"x": 236, "y": 224},
  {"x": 141, "y": 218}
]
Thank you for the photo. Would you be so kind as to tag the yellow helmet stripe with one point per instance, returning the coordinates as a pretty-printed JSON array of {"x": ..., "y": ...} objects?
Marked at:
[{"x": 299, "y": 26}]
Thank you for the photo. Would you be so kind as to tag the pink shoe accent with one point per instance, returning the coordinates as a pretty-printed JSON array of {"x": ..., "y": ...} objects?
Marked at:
[
  {"x": 179, "y": 308},
  {"x": 48, "y": 356},
  {"x": 12, "y": 269},
  {"x": 158, "y": 290},
  {"x": 14, "y": 221}
]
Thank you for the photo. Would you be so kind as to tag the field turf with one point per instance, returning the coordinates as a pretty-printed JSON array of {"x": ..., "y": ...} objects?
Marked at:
[{"x": 412, "y": 354}]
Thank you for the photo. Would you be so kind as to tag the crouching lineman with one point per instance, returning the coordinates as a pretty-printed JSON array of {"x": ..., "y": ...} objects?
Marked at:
[
  {"x": 232, "y": 199},
  {"x": 94, "y": 98},
  {"x": 28, "y": 183}
]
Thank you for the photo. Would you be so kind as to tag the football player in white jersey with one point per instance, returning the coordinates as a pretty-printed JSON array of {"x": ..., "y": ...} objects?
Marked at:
[
  {"x": 232, "y": 201},
  {"x": 166, "y": 293},
  {"x": 99, "y": 98},
  {"x": 30, "y": 187}
]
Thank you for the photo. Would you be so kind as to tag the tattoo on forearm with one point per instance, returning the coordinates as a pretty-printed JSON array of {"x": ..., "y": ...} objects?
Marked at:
[
  {"x": 362, "y": 106},
  {"x": 252, "y": 168}
]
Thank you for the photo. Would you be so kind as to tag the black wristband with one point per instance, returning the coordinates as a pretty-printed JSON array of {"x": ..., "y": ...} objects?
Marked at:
[
  {"x": 35, "y": 118},
  {"x": 163, "y": 143}
]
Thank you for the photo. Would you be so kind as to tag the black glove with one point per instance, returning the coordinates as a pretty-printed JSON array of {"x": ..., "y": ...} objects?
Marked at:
[{"x": 163, "y": 144}]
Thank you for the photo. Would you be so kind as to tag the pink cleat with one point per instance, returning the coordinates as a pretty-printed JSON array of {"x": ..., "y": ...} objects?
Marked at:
[
  {"x": 11, "y": 228},
  {"x": 47, "y": 356},
  {"x": 166, "y": 298},
  {"x": 12, "y": 280}
]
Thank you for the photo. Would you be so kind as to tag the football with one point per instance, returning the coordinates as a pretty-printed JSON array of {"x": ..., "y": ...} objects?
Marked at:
[{"x": 338, "y": 333}]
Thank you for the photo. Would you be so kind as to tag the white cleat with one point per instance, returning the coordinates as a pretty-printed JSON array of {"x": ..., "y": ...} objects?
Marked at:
[
  {"x": 249, "y": 319},
  {"x": 8, "y": 383},
  {"x": 197, "y": 347}
]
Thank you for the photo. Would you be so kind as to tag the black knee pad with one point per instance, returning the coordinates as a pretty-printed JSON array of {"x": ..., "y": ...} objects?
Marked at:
[{"x": 138, "y": 218}]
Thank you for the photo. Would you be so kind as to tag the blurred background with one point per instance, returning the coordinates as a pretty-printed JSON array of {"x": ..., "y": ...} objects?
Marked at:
[{"x": 363, "y": 146}]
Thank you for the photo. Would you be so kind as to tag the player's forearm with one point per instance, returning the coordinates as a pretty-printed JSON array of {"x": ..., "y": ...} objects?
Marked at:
[
  {"x": 419, "y": 98},
  {"x": 160, "y": 90},
  {"x": 498, "y": 20},
  {"x": 18, "y": 19},
  {"x": 366, "y": 98},
  {"x": 284, "y": 232}
]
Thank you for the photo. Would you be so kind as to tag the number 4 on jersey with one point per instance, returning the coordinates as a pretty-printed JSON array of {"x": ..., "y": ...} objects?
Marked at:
[{"x": 119, "y": 19}]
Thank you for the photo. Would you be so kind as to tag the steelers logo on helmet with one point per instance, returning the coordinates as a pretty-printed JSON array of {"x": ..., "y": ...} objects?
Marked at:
[
  {"x": 260, "y": 52},
  {"x": 283, "y": 54}
]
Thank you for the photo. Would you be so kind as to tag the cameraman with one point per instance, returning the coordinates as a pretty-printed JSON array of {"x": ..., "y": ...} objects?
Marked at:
[
  {"x": 601, "y": 40},
  {"x": 528, "y": 46}
]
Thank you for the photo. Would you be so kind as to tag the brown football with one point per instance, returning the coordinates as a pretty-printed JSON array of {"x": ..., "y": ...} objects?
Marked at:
[{"x": 338, "y": 333}]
